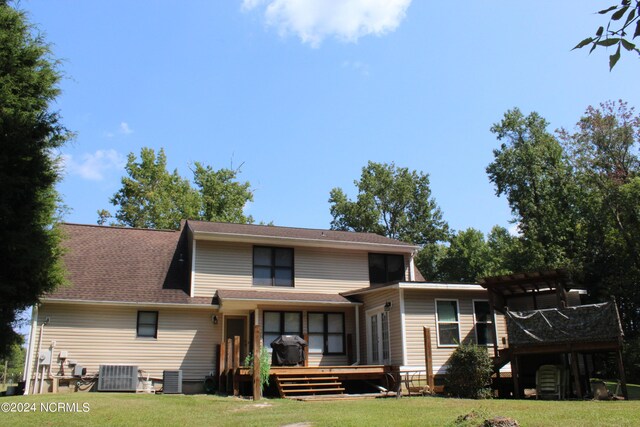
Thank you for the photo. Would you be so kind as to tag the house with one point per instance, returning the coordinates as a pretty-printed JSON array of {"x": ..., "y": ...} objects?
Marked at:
[{"x": 169, "y": 301}]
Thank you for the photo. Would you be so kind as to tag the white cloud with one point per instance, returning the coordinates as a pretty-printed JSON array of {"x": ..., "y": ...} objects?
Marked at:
[
  {"x": 346, "y": 20},
  {"x": 125, "y": 129},
  {"x": 93, "y": 166},
  {"x": 361, "y": 67}
]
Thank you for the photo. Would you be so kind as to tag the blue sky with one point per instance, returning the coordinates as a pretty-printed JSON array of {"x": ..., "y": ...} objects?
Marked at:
[{"x": 303, "y": 94}]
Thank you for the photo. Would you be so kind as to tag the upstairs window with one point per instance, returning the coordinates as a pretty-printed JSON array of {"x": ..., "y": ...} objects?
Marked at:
[
  {"x": 385, "y": 268},
  {"x": 483, "y": 322},
  {"x": 147, "y": 325},
  {"x": 272, "y": 266}
]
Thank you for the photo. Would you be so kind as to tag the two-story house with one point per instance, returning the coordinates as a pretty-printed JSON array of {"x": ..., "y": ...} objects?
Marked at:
[{"x": 166, "y": 300}]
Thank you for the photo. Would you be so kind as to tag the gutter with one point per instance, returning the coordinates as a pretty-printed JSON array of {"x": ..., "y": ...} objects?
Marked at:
[
  {"x": 28, "y": 363},
  {"x": 130, "y": 304}
]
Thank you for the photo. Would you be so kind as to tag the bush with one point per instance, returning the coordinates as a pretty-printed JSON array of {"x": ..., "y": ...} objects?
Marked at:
[{"x": 469, "y": 372}]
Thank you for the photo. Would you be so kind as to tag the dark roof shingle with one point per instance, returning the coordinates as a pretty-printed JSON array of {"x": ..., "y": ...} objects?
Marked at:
[
  {"x": 293, "y": 233},
  {"x": 124, "y": 265}
]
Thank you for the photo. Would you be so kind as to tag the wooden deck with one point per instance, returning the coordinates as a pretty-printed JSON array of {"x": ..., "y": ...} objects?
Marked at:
[{"x": 298, "y": 381}]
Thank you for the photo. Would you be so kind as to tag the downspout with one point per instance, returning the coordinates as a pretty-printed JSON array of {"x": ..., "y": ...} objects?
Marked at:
[
  {"x": 412, "y": 266},
  {"x": 357, "y": 335},
  {"x": 28, "y": 363},
  {"x": 46, "y": 320},
  {"x": 404, "y": 328},
  {"x": 192, "y": 286}
]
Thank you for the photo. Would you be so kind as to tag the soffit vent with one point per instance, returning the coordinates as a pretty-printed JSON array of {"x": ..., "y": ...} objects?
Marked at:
[{"x": 118, "y": 378}]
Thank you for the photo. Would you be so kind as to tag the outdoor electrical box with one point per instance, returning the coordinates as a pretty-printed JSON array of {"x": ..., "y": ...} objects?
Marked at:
[{"x": 45, "y": 357}]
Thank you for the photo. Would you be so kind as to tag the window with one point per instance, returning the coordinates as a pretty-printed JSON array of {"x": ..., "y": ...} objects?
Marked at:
[
  {"x": 385, "y": 268},
  {"x": 272, "y": 266},
  {"x": 483, "y": 323},
  {"x": 326, "y": 333},
  {"x": 448, "y": 322},
  {"x": 147, "y": 326},
  {"x": 278, "y": 323}
]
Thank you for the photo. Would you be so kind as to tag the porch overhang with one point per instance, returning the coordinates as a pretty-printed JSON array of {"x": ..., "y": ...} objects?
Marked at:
[{"x": 250, "y": 299}]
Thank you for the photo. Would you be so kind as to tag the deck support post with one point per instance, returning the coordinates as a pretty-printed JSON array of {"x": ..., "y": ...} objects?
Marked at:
[
  {"x": 575, "y": 370},
  {"x": 515, "y": 373},
  {"x": 236, "y": 365},
  {"x": 623, "y": 378},
  {"x": 305, "y": 350},
  {"x": 428, "y": 358},
  {"x": 257, "y": 386},
  {"x": 222, "y": 370}
]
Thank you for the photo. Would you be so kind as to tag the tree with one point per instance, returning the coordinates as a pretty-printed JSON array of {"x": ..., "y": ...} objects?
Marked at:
[
  {"x": 604, "y": 153},
  {"x": 624, "y": 17},
  {"x": 392, "y": 202},
  {"x": 29, "y": 132},
  {"x": 531, "y": 169},
  {"x": 151, "y": 197},
  {"x": 466, "y": 258}
]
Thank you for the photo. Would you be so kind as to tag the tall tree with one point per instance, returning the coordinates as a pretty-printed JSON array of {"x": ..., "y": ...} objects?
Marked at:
[
  {"x": 604, "y": 153},
  {"x": 530, "y": 168},
  {"x": 392, "y": 201},
  {"x": 29, "y": 131},
  {"x": 151, "y": 197}
]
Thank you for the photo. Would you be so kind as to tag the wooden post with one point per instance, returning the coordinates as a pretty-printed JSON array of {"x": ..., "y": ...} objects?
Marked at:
[
  {"x": 349, "y": 349},
  {"x": 305, "y": 337},
  {"x": 257, "y": 386},
  {"x": 515, "y": 373},
  {"x": 575, "y": 371},
  {"x": 623, "y": 378},
  {"x": 222, "y": 363},
  {"x": 229, "y": 371},
  {"x": 236, "y": 365},
  {"x": 428, "y": 358}
]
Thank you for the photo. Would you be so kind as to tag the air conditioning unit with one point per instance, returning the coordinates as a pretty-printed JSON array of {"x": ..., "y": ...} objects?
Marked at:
[
  {"x": 118, "y": 378},
  {"x": 172, "y": 382}
]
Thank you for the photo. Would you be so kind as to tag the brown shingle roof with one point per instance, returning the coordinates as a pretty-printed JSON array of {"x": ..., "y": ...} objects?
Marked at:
[
  {"x": 293, "y": 233},
  {"x": 124, "y": 265}
]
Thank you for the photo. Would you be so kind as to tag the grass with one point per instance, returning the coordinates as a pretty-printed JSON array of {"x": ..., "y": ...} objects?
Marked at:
[{"x": 130, "y": 409}]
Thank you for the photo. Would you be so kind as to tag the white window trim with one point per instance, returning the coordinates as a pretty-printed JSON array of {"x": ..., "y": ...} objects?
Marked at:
[
  {"x": 475, "y": 322},
  {"x": 438, "y": 321},
  {"x": 375, "y": 311}
]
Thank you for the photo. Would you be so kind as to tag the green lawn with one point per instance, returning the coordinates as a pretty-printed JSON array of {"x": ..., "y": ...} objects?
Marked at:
[{"x": 178, "y": 410}]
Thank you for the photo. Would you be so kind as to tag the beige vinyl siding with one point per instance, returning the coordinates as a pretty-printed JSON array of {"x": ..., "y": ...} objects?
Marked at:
[
  {"x": 376, "y": 300},
  {"x": 103, "y": 335},
  {"x": 222, "y": 265},
  {"x": 317, "y": 359},
  {"x": 420, "y": 312}
]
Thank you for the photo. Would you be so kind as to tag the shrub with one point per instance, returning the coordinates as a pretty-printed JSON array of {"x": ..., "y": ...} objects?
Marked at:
[
  {"x": 469, "y": 372},
  {"x": 265, "y": 365}
]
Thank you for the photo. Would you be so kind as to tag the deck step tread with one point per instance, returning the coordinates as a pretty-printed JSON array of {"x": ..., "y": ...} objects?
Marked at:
[
  {"x": 315, "y": 390},
  {"x": 307, "y": 378},
  {"x": 309, "y": 385}
]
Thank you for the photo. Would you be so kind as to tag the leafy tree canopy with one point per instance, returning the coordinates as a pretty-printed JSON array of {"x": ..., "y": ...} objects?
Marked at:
[
  {"x": 393, "y": 202},
  {"x": 29, "y": 131},
  {"x": 576, "y": 197},
  {"x": 624, "y": 18},
  {"x": 151, "y": 197}
]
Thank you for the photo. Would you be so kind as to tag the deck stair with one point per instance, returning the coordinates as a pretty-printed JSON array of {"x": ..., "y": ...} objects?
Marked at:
[{"x": 306, "y": 384}]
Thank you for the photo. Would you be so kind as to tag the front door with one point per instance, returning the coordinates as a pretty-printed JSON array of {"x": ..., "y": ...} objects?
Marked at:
[
  {"x": 237, "y": 326},
  {"x": 378, "y": 334}
]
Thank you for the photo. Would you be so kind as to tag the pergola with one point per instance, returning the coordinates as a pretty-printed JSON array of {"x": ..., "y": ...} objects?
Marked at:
[{"x": 583, "y": 329}]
